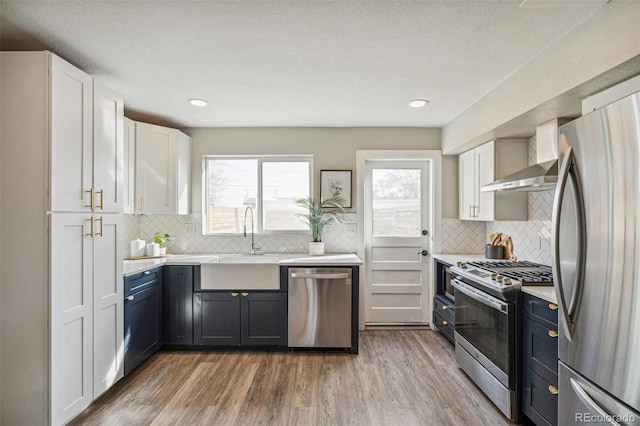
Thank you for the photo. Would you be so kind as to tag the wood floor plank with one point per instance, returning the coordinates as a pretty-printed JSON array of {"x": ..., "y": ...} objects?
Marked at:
[{"x": 400, "y": 377}]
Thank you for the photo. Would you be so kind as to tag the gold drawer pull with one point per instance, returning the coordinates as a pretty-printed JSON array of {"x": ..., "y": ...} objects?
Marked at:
[
  {"x": 245, "y": 294},
  {"x": 234, "y": 294},
  {"x": 552, "y": 333},
  {"x": 445, "y": 307},
  {"x": 553, "y": 390},
  {"x": 553, "y": 306},
  {"x": 444, "y": 323}
]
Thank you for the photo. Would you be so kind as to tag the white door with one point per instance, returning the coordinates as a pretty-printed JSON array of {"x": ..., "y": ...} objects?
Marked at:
[
  {"x": 71, "y": 138},
  {"x": 485, "y": 172},
  {"x": 397, "y": 214},
  {"x": 71, "y": 315},
  {"x": 467, "y": 184},
  {"x": 108, "y": 149},
  {"x": 108, "y": 294},
  {"x": 156, "y": 168},
  {"x": 128, "y": 180}
]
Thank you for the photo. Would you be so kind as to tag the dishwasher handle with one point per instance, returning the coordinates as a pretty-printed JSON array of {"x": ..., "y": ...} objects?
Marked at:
[{"x": 321, "y": 276}]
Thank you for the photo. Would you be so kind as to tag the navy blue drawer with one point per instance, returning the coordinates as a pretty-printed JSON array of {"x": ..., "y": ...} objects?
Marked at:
[
  {"x": 445, "y": 308},
  {"x": 539, "y": 399},
  {"x": 138, "y": 282},
  {"x": 539, "y": 310},
  {"x": 444, "y": 325}
]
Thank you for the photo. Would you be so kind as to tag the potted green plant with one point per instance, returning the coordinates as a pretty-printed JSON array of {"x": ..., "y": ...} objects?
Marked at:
[
  {"x": 161, "y": 240},
  {"x": 320, "y": 214}
]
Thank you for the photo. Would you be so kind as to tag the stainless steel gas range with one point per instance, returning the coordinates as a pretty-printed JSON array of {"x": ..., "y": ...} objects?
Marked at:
[{"x": 488, "y": 344}]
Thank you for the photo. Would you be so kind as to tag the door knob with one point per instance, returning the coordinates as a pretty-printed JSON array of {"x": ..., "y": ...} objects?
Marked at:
[
  {"x": 425, "y": 232},
  {"x": 423, "y": 252}
]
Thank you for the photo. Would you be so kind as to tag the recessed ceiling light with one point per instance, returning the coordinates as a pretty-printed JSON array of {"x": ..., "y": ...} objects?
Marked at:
[
  {"x": 418, "y": 103},
  {"x": 198, "y": 102}
]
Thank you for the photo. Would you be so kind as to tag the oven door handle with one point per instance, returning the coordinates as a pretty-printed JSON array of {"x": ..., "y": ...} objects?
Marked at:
[{"x": 480, "y": 297}]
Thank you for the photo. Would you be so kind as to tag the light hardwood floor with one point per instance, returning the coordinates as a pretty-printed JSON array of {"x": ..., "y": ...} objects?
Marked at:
[{"x": 400, "y": 377}]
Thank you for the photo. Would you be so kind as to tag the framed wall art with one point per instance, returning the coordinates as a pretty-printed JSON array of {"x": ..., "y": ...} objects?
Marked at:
[{"x": 336, "y": 183}]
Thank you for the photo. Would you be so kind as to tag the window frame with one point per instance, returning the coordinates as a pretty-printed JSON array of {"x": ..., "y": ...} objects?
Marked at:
[{"x": 258, "y": 211}]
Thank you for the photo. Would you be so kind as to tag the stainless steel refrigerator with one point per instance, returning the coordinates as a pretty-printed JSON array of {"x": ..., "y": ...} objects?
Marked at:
[{"x": 596, "y": 242}]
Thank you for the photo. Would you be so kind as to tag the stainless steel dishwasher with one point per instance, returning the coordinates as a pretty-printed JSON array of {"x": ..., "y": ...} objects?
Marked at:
[{"x": 320, "y": 307}]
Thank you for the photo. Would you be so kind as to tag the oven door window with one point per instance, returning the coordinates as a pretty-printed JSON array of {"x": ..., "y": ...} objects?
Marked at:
[{"x": 485, "y": 327}]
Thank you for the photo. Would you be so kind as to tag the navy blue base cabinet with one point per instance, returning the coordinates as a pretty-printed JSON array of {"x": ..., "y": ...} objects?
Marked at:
[
  {"x": 540, "y": 364},
  {"x": 234, "y": 318},
  {"x": 142, "y": 317},
  {"x": 178, "y": 304}
]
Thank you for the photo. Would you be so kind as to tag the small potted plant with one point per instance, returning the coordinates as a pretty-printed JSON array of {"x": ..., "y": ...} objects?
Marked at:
[
  {"x": 161, "y": 240},
  {"x": 320, "y": 214}
]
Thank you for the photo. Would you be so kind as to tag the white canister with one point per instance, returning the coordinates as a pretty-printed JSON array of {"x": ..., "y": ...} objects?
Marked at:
[
  {"x": 137, "y": 247},
  {"x": 153, "y": 249}
]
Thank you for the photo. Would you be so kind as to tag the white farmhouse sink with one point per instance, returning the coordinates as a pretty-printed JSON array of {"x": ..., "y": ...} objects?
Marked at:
[{"x": 240, "y": 272}]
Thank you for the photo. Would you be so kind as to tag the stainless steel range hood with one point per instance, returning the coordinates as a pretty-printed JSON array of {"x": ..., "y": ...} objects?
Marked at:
[{"x": 541, "y": 176}]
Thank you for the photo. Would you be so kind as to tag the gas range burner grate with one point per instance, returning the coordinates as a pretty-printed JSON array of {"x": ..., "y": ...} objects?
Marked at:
[{"x": 523, "y": 271}]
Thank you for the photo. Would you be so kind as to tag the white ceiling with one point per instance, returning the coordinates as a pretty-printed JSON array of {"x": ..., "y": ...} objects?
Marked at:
[{"x": 295, "y": 63}]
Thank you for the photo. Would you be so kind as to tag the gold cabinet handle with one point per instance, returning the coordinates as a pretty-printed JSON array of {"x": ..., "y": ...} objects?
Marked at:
[
  {"x": 146, "y": 272},
  {"x": 90, "y": 205},
  {"x": 90, "y": 234},
  {"x": 141, "y": 204},
  {"x": 234, "y": 294},
  {"x": 100, "y": 233},
  {"x": 130, "y": 297},
  {"x": 445, "y": 307},
  {"x": 445, "y": 322},
  {"x": 101, "y": 192},
  {"x": 553, "y": 306},
  {"x": 475, "y": 211},
  {"x": 470, "y": 214},
  {"x": 552, "y": 333},
  {"x": 245, "y": 294},
  {"x": 553, "y": 390}
]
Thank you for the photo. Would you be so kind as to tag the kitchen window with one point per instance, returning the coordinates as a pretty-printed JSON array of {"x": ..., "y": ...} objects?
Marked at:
[{"x": 268, "y": 184}]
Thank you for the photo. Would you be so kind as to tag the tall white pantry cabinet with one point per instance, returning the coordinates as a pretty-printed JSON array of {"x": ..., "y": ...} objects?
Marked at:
[{"x": 61, "y": 294}]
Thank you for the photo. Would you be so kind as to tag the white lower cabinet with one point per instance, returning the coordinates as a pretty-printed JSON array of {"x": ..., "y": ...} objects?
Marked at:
[
  {"x": 86, "y": 310},
  {"x": 108, "y": 302},
  {"x": 71, "y": 315}
]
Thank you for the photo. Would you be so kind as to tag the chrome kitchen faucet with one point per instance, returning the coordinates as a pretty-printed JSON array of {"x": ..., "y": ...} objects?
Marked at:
[{"x": 254, "y": 249}]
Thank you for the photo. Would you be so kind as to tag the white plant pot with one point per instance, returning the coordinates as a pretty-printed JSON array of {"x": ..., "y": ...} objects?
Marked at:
[
  {"x": 163, "y": 250},
  {"x": 316, "y": 248}
]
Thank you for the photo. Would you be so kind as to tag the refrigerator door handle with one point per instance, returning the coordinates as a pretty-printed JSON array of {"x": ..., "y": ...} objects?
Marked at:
[
  {"x": 568, "y": 172},
  {"x": 589, "y": 402}
]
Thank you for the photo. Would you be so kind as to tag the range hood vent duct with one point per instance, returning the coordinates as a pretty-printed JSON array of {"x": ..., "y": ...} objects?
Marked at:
[{"x": 542, "y": 176}]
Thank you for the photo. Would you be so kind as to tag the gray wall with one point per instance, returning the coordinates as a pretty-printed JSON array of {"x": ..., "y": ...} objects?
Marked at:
[{"x": 332, "y": 148}]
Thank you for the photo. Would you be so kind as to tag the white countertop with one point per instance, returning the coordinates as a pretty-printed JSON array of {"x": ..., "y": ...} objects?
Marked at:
[
  {"x": 452, "y": 258},
  {"x": 136, "y": 266},
  {"x": 547, "y": 293}
]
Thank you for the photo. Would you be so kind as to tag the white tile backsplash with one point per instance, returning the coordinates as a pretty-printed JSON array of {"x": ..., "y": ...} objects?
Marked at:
[
  {"x": 462, "y": 236},
  {"x": 186, "y": 236}
]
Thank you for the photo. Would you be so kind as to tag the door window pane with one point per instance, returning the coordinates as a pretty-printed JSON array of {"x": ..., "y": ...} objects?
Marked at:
[{"x": 396, "y": 202}]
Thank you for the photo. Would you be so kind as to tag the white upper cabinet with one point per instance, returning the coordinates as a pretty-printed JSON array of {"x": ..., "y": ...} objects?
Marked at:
[
  {"x": 129, "y": 178},
  {"x": 483, "y": 165},
  {"x": 108, "y": 149},
  {"x": 71, "y": 145},
  {"x": 163, "y": 158},
  {"x": 86, "y": 143}
]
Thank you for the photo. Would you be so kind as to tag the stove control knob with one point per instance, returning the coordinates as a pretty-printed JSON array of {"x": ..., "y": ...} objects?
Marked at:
[
  {"x": 493, "y": 276},
  {"x": 507, "y": 281},
  {"x": 499, "y": 278},
  {"x": 462, "y": 265}
]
